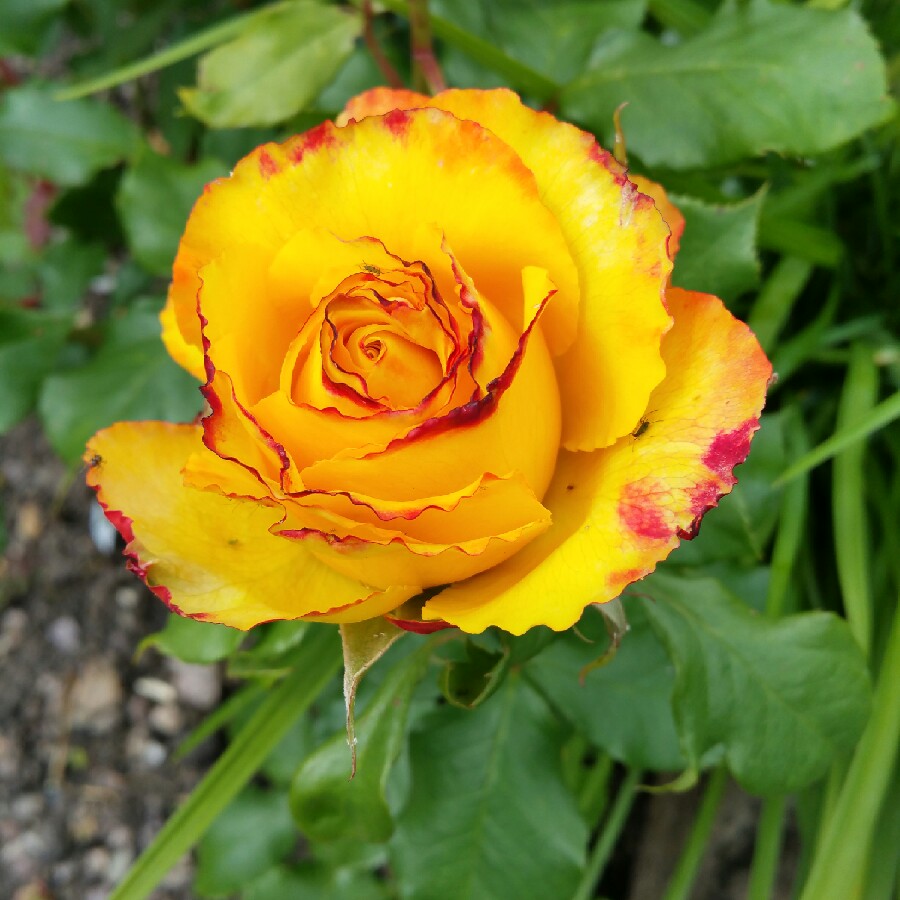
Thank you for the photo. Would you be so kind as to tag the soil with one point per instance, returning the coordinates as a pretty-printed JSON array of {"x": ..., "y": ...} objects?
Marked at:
[{"x": 87, "y": 732}]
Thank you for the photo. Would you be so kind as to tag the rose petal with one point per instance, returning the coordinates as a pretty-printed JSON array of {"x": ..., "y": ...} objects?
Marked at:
[
  {"x": 668, "y": 210},
  {"x": 514, "y": 427},
  {"x": 382, "y": 176},
  {"x": 618, "y": 512},
  {"x": 618, "y": 242},
  {"x": 208, "y": 556}
]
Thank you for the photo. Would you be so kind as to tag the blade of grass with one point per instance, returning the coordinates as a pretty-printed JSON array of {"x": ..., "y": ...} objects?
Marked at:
[
  {"x": 606, "y": 841},
  {"x": 776, "y": 300},
  {"x": 318, "y": 661},
  {"x": 839, "y": 864},
  {"x": 877, "y": 417},
  {"x": 850, "y": 517},
  {"x": 767, "y": 851},
  {"x": 190, "y": 46},
  {"x": 220, "y": 717},
  {"x": 686, "y": 871},
  {"x": 791, "y": 526}
]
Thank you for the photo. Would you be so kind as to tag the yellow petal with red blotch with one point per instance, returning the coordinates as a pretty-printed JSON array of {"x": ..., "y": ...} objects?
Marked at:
[
  {"x": 670, "y": 212},
  {"x": 208, "y": 556},
  {"x": 617, "y": 512},
  {"x": 618, "y": 242},
  {"x": 380, "y": 100},
  {"x": 384, "y": 176},
  {"x": 514, "y": 427}
]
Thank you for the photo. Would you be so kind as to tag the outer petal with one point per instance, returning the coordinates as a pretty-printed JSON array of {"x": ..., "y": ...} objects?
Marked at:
[
  {"x": 669, "y": 211},
  {"x": 383, "y": 176},
  {"x": 618, "y": 241},
  {"x": 618, "y": 512},
  {"x": 379, "y": 101},
  {"x": 442, "y": 539},
  {"x": 208, "y": 556}
]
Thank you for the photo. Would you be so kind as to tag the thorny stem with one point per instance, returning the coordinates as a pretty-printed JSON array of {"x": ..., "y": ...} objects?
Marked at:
[
  {"x": 426, "y": 71},
  {"x": 391, "y": 75}
]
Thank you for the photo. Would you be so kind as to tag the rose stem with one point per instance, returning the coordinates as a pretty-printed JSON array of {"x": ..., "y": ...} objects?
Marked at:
[
  {"x": 391, "y": 75},
  {"x": 426, "y": 71}
]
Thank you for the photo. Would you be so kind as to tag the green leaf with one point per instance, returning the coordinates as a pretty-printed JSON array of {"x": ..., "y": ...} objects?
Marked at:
[
  {"x": 249, "y": 836},
  {"x": 364, "y": 644},
  {"x": 327, "y": 806},
  {"x": 469, "y": 681},
  {"x": 762, "y": 76},
  {"x": 154, "y": 199},
  {"x": 271, "y": 653},
  {"x": 30, "y": 342},
  {"x": 277, "y": 66},
  {"x": 66, "y": 270},
  {"x": 63, "y": 142},
  {"x": 317, "y": 663},
  {"x": 192, "y": 641},
  {"x": 555, "y": 39},
  {"x": 312, "y": 880},
  {"x": 784, "y": 699},
  {"x": 718, "y": 248},
  {"x": 180, "y": 50},
  {"x": 130, "y": 377},
  {"x": 475, "y": 826},
  {"x": 625, "y": 706},
  {"x": 877, "y": 417},
  {"x": 25, "y": 22}
]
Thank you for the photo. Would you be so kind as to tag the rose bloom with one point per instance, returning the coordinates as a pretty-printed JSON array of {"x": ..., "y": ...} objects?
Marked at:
[{"x": 447, "y": 379}]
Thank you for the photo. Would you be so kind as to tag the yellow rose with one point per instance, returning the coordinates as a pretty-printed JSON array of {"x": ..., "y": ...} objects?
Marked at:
[{"x": 440, "y": 354}]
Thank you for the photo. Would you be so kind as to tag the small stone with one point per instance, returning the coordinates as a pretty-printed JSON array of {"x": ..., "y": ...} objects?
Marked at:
[
  {"x": 27, "y": 807},
  {"x": 197, "y": 686},
  {"x": 10, "y": 758},
  {"x": 153, "y": 754},
  {"x": 83, "y": 824},
  {"x": 120, "y": 837},
  {"x": 166, "y": 719},
  {"x": 103, "y": 532},
  {"x": 29, "y": 522},
  {"x": 64, "y": 634},
  {"x": 34, "y": 890},
  {"x": 127, "y": 597},
  {"x": 63, "y": 873},
  {"x": 22, "y": 856},
  {"x": 96, "y": 863},
  {"x": 155, "y": 689},
  {"x": 118, "y": 865},
  {"x": 12, "y": 629},
  {"x": 96, "y": 697}
]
